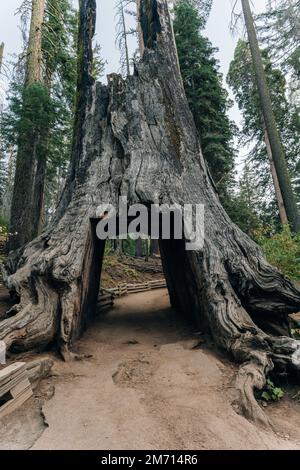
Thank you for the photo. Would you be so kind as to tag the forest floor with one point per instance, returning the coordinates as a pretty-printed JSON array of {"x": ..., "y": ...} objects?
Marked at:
[{"x": 144, "y": 385}]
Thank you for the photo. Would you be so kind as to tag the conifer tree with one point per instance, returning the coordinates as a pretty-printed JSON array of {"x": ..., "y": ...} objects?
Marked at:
[{"x": 207, "y": 98}]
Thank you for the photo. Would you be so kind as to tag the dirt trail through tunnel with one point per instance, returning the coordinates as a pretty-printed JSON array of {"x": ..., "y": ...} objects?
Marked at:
[{"x": 146, "y": 388}]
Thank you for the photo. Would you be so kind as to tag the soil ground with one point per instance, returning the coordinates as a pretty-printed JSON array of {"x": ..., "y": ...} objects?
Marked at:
[{"x": 144, "y": 385}]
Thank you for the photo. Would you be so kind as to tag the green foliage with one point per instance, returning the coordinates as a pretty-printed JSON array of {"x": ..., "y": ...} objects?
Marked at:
[
  {"x": 3, "y": 227},
  {"x": 272, "y": 393},
  {"x": 45, "y": 109},
  {"x": 296, "y": 333},
  {"x": 279, "y": 29},
  {"x": 241, "y": 78},
  {"x": 243, "y": 205},
  {"x": 283, "y": 251},
  {"x": 207, "y": 98},
  {"x": 36, "y": 112}
]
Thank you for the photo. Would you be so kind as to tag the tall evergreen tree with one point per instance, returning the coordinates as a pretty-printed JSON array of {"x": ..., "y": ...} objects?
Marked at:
[
  {"x": 38, "y": 121},
  {"x": 207, "y": 98},
  {"x": 1, "y": 55},
  {"x": 279, "y": 29},
  {"x": 270, "y": 122},
  {"x": 241, "y": 78},
  {"x": 31, "y": 133}
]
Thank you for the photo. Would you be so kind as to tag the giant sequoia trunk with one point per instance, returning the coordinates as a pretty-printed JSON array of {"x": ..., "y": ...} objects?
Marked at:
[
  {"x": 25, "y": 211},
  {"x": 136, "y": 137}
]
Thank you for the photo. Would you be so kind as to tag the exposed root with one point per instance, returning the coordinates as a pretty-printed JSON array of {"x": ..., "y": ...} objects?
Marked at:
[
  {"x": 33, "y": 326},
  {"x": 258, "y": 352},
  {"x": 251, "y": 377}
]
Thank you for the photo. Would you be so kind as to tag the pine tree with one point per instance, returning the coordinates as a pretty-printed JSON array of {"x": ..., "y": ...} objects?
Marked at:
[
  {"x": 46, "y": 117},
  {"x": 207, "y": 98},
  {"x": 31, "y": 133},
  {"x": 1, "y": 55},
  {"x": 2, "y": 164},
  {"x": 270, "y": 122},
  {"x": 279, "y": 29},
  {"x": 241, "y": 78}
]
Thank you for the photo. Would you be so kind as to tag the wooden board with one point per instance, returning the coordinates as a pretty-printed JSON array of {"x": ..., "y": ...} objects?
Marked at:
[
  {"x": 14, "y": 404},
  {"x": 11, "y": 372},
  {"x": 15, "y": 384}
]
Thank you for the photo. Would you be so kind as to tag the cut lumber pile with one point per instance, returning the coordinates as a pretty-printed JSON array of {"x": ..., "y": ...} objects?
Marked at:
[{"x": 15, "y": 388}]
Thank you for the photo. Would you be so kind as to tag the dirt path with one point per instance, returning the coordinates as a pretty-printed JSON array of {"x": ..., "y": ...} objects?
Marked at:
[{"x": 145, "y": 388}]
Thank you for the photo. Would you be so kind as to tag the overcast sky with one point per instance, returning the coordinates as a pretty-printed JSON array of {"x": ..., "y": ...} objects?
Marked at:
[{"x": 217, "y": 30}]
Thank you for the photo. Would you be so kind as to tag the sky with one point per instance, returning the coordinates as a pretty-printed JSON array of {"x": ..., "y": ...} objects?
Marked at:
[{"x": 218, "y": 31}]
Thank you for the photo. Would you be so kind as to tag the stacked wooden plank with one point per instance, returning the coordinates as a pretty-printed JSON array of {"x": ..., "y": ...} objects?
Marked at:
[{"x": 15, "y": 388}]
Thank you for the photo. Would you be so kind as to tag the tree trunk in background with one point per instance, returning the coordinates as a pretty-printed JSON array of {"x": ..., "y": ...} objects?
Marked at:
[
  {"x": 1, "y": 54},
  {"x": 24, "y": 223},
  {"x": 139, "y": 29},
  {"x": 34, "y": 52},
  {"x": 137, "y": 138},
  {"x": 139, "y": 248},
  {"x": 269, "y": 118},
  {"x": 154, "y": 247},
  {"x": 125, "y": 40},
  {"x": 40, "y": 173},
  {"x": 279, "y": 199}
]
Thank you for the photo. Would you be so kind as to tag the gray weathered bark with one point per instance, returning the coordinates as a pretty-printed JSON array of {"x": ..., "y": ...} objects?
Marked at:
[{"x": 138, "y": 139}]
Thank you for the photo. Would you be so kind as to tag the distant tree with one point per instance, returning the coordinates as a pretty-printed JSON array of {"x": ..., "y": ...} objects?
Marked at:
[
  {"x": 241, "y": 78},
  {"x": 39, "y": 119},
  {"x": 207, "y": 98},
  {"x": 1, "y": 55},
  {"x": 34, "y": 117},
  {"x": 125, "y": 9},
  {"x": 244, "y": 205},
  {"x": 270, "y": 122},
  {"x": 279, "y": 29}
]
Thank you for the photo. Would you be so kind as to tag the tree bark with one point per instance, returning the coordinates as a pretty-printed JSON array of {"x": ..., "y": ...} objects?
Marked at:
[
  {"x": 269, "y": 118},
  {"x": 139, "y": 29},
  {"x": 278, "y": 194},
  {"x": 34, "y": 51},
  {"x": 24, "y": 227},
  {"x": 137, "y": 138}
]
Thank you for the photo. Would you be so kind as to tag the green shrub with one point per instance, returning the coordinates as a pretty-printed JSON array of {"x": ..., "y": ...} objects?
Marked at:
[
  {"x": 283, "y": 251},
  {"x": 271, "y": 393},
  {"x": 3, "y": 227}
]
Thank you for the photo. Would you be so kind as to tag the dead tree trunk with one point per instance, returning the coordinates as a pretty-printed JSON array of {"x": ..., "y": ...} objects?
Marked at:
[{"x": 136, "y": 137}]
